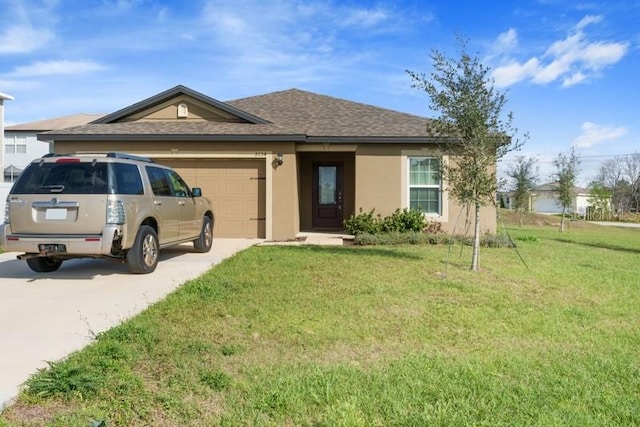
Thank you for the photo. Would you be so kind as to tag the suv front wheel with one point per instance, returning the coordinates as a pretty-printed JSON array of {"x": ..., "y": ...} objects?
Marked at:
[
  {"x": 205, "y": 240},
  {"x": 143, "y": 255}
]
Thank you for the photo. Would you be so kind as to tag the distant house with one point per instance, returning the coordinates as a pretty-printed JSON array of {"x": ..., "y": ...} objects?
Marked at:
[
  {"x": 504, "y": 199},
  {"x": 544, "y": 199},
  {"x": 21, "y": 143}
]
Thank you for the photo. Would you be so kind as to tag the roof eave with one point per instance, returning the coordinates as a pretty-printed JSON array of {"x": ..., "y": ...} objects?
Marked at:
[
  {"x": 47, "y": 137},
  {"x": 379, "y": 140}
]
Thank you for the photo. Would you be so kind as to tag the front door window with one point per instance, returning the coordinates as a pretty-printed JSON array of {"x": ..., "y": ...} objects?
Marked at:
[
  {"x": 327, "y": 184},
  {"x": 327, "y": 194}
]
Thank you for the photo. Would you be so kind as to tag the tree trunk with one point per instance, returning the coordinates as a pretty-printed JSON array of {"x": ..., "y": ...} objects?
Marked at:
[
  {"x": 521, "y": 214},
  {"x": 475, "y": 266},
  {"x": 564, "y": 210}
]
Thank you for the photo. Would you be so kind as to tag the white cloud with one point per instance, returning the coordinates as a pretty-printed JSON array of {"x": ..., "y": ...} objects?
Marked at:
[
  {"x": 47, "y": 68},
  {"x": 589, "y": 19},
  {"x": 506, "y": 41},
  {"x": 572, "y": 60},
  {"x": 593, "y": 134},
  {"x": 23, "y": 39},
  {"x": 27, "y": 25},
  {"x": 364, "y": 18},
  {"x": 290, "y": 43},
  {"x": 515, "y": 72}
]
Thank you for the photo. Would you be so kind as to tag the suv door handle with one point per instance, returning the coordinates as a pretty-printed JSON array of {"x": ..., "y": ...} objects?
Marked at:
[
  {"x": 157, "y": 202},
  {"x": 181, "y": 203}
]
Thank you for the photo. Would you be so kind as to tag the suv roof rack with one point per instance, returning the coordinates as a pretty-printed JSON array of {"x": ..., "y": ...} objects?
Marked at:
[
  {"x": 127, "y": 156},
  {"x": 113, "y": 155}
]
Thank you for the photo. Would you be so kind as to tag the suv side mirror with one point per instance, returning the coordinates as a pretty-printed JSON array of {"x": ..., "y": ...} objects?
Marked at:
[{"x": 196, "y": 192}]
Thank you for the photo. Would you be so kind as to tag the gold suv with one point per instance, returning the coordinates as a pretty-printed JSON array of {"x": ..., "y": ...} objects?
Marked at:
[{"x": 102, "y": 206}]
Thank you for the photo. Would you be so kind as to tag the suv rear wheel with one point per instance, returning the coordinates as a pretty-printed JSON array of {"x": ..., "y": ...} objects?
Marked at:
[
  {"x": 143, "y": 255},
  {"x": 205, "y": 240},
  {"x": 43, "y": 264}
]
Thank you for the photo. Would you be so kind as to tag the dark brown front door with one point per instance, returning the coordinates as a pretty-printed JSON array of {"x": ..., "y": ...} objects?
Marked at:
[{"x": 327, "y": 194}]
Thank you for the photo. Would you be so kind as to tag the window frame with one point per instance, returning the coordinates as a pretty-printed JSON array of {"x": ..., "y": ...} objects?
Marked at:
[{"x": 438, "y": 186}]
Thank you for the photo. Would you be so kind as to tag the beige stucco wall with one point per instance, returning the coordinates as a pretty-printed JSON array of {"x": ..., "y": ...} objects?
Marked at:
[
  {"x": 382, "y": 184},
  {"x": 196, "y": 111}
]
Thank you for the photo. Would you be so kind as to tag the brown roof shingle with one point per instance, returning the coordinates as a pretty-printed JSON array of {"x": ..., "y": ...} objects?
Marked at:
[{"x": 324, "y": 116}]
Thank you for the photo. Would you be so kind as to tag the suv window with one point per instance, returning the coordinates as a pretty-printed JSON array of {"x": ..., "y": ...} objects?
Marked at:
[
  {"x": 179, "y": 187},
  {"x": 127, "y": 179},
  {"x": 159, "y": 182},
  {"x": 166, "y": 182},
  {"x": 63, "y": 178},
  {"x": 80, "y": 178}
]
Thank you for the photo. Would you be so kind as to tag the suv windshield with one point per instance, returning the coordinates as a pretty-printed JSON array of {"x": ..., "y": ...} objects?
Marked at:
[{"x": 79, "y": 178}]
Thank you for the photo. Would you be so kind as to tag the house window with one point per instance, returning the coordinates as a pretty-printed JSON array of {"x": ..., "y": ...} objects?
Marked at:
[
  {"x": 21, "y": 145},
  {"x": 425, "y": 185},
  {"x": 15, "y": 145}
]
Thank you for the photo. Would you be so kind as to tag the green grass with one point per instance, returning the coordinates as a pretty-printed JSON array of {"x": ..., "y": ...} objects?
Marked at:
[{"x": 362, "y": 336}]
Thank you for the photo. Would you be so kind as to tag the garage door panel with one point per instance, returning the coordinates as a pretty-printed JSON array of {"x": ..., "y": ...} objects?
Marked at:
[{"x": 236, "y": 189}]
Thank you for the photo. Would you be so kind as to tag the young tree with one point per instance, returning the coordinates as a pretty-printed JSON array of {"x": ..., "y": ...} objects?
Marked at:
[
  {"x": 524, "y": 175},
  {"x": 470, "y": 116},
  {"x": 567, "y": 170},
  {"x": 632, "y": 170},
  {"x": 611, "y": 176},
  {"x": 599, "y": 199}
]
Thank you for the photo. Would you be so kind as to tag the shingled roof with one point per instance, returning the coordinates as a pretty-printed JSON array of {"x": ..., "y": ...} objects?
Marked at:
[
  {"x": 56, "y": 123},
  {"x": 320, "y": 116},
  {"x": 289, "y": 115}
]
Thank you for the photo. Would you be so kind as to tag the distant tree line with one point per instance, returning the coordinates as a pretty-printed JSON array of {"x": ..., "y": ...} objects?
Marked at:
[
  {"x": 523, "y": 175},
  {"x": 619, "y": 179},
  {"x": 615, "y": 189}
]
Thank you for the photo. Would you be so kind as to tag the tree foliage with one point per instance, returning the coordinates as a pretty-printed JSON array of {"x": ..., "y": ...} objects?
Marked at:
[
  {"x": 599, "y": 197},
  {"x": 620, "y": 175},
  {"x": 471, "y": 117},
  {"x": 524, "y": 176},
  {"x": 567, "y": 168}
]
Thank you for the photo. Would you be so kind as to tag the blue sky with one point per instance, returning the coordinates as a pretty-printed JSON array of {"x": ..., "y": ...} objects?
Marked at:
[{"x": 570, "y": 68}]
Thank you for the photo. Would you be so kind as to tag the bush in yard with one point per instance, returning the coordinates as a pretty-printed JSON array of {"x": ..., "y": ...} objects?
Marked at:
[
  {"x": 364, "y": 222},
  {"x": 404, "y": 220},
  {"x": 401, "y": 221}
]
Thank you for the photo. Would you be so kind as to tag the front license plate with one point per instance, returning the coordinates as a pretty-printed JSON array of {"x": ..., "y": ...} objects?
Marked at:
[{"x": 55, "y": 214}]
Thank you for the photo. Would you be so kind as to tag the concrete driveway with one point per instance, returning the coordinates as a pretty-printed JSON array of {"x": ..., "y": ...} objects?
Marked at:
[{"x": 45, "y": 317}]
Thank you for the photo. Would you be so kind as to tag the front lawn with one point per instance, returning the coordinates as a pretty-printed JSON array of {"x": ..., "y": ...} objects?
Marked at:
[{"x": 362, "y": 336}]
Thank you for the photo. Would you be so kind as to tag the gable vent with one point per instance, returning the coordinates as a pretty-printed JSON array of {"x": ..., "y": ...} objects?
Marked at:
[{"x": 183, "y": 111}]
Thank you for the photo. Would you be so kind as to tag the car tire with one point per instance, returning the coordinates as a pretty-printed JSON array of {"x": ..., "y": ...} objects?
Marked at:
[
  {"x": 203, "y": 243},
  {"x": 43, "y": 264},
  {"x": 142, "y": 257}
]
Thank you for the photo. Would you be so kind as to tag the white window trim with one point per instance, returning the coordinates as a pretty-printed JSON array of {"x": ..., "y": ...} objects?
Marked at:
[{"x": 443, "y": 216}]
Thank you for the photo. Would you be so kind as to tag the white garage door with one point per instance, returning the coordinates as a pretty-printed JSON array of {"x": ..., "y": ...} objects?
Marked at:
[
  {"x": 546, "y": 205},
  {"x": 236, "y": 189}
]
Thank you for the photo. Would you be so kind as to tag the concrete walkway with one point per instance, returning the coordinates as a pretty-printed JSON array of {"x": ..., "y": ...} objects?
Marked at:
[
  {"x": 45, "y": 317},
  {"x": 616, "y": 224}
]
